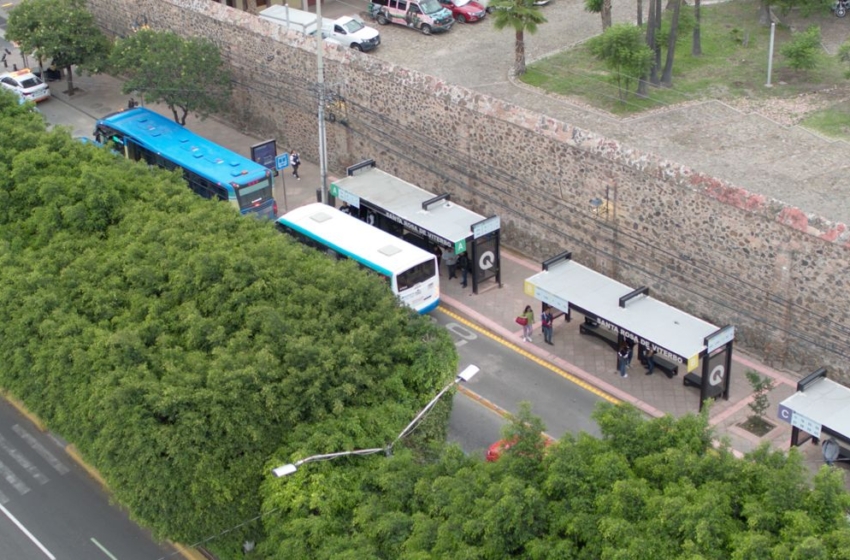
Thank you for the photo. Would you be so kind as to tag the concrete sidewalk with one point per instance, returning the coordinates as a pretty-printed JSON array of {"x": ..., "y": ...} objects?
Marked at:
[{"x": 585, "y": 358}]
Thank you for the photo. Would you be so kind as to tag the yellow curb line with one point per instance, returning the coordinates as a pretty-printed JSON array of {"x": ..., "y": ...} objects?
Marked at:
[
  {"x": 486, "y": 403},
  {"x": 71, "y": 450},
  {"x": 525, "y": 353}
]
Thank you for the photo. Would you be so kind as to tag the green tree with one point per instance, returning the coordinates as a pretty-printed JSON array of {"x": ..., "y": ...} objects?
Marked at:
[
  {"x": 803, "y": 51},
  {"x": 62, "y": 30},
  {"x": 624, "y": 51},
  {"x": 523, "y": 17},
  {"x": 188, "y": 75}
]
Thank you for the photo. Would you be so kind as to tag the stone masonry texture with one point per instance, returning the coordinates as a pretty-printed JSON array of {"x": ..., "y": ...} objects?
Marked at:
[{"x": 778, "y": 273}]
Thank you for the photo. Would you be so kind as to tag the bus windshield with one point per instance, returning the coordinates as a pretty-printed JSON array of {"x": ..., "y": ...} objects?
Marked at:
[
  {"x": 254, "y": 194},
  {"x": 416, "y": 275}
]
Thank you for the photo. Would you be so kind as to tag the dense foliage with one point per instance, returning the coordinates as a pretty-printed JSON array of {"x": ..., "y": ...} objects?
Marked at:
[
  {"x": 652, "y": 489},
  {"x": 181, "y": 345}
]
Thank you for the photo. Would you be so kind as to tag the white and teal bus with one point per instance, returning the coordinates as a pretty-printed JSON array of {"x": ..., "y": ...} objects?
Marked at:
[{"x": 411, "y": 271}]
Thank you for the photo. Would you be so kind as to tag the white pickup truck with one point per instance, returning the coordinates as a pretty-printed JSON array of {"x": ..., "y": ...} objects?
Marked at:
[{"x": 346, "y": 31}]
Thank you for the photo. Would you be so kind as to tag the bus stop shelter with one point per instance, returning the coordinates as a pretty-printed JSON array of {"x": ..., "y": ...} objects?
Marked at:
[
  {"x": 819, "y": 409},
  {"x": 422, "y": 218},
  {"x": 617, "y": 313}
]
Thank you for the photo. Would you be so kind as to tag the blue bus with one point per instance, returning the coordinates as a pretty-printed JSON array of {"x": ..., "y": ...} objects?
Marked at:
[
  {"x": 212, "y": 171},
  {"x": 411, "y": 272}
]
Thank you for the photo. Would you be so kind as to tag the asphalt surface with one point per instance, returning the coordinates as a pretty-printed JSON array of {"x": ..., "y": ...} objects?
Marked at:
[
  {"x": 51, "y": 508},
  {"x": 510, "y": 375}
]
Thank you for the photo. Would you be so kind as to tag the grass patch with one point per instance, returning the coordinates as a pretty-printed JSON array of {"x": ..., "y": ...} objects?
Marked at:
[
  {"x": 733, "y": 65},
  {"x": 833, "y": 121}
]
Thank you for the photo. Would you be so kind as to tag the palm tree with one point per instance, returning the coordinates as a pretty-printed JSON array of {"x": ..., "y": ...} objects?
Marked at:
[{"x": 522, "y": 16}]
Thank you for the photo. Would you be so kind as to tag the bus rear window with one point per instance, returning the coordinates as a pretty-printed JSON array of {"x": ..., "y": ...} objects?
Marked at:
[
  {"x": 255, "y": 194},
  {"x": 416, "y": 275}
]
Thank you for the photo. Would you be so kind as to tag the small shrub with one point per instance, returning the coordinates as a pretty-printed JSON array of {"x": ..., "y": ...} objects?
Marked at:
[
  {"x": 803, "y": 50},
  {"x": 761, "y": 387}
]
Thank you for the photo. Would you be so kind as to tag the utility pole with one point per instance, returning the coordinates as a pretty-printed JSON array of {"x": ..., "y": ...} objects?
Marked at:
[{"x": 320, "y": 86}]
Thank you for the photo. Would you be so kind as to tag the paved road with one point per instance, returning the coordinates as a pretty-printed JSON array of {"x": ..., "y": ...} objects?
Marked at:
[
  {"x": 52, "y": 509},
  {"x": 510, "y": 375}
]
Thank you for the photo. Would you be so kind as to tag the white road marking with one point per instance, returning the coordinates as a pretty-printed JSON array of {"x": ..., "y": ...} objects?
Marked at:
[
  {"x": 103, "y": 548},
  {"x": 22, "y": 461},
  {"x": 3, "y": 499},
  {"x": 40, "y": 449},
  {"x": 10, "y": 477},
  {"x": 27, "y": 533}
]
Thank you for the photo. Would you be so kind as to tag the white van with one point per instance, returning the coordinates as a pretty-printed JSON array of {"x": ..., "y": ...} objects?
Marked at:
[{"x": 346, "y": 31}]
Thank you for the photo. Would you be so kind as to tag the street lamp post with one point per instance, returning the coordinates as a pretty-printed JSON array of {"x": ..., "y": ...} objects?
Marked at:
[
  {"x": 320, "y": 85},
  {"x": 290, "y": 468}
]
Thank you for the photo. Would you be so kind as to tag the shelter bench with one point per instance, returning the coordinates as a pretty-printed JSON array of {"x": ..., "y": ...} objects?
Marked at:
[
  {"x": 592, "y": 328},
  {"x": 670, "y": 369}
]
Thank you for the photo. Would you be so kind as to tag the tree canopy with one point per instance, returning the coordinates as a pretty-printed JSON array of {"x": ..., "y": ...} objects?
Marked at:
[
  {"x": 61, "y": 30},
  {"x": 188, "y": 75},
  {"x": 180, "y": 345},
  {"x": 645, "y": 489}
]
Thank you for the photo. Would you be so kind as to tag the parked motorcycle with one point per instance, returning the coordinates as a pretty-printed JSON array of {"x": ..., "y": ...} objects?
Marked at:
[{"x": 840, "y": 8}]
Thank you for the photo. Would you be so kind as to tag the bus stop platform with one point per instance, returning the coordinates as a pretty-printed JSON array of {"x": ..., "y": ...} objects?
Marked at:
[{"x": 594, "y": 361}]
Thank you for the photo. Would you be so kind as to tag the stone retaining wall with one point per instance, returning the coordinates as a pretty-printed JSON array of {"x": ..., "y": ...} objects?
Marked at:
[{"x": 708, "y": 247}]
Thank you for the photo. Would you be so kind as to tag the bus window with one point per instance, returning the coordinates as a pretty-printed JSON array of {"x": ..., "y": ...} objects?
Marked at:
[{"x": 416, "y": 275}]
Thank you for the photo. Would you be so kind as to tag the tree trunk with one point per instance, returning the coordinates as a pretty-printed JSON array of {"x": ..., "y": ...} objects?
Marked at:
[
  {"x": 640, "y": 13},
  {"x": 696, "y": 49},
  {"x": 519, "y": 63},
  {"x": 651, "y": 42},
  {"x": 70, "y": 80},
  {"x": 764, "y": 12},
  {"x": 606, "y": 14},
  {"x": 667, "y": 77}
]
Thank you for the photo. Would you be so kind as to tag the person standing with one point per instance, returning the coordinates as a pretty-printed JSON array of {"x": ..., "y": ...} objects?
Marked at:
[
  {"x": 546, "y": 320},
  {"x": 631, "y": 345},
  {"x": 450, "y": 259},
  {"x": 650, "y": 360},
  {"x": 439, "y": 254},
  {"x": 463, "y": 264},
  {"x": 295, "y": 162},
  {"x": 528, "y": 327},
  {"x": 622, "y": 356}
]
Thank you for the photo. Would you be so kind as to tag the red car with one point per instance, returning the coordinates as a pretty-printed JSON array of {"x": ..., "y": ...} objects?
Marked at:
[
  {"x": 495, "y": 451},
  {"x": 464, "y": 10}
]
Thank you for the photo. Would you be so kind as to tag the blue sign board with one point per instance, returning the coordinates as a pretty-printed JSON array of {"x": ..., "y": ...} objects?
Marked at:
[{"x": 282, "y": 161}]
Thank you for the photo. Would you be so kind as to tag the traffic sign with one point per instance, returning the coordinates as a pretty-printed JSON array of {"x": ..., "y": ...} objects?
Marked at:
[{"x": 282, "y": 161}]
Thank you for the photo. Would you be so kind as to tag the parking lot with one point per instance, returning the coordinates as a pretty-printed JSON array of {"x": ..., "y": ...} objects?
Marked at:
[{"x": 475, "y": 55}]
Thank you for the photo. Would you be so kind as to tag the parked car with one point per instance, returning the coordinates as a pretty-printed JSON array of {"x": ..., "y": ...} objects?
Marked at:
[
  {"x": 26, "y": 84},
  {"x": 489, "y": 8},
  {"x": 427, "y": 16},
  {"x": 465, "y": 11}
]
